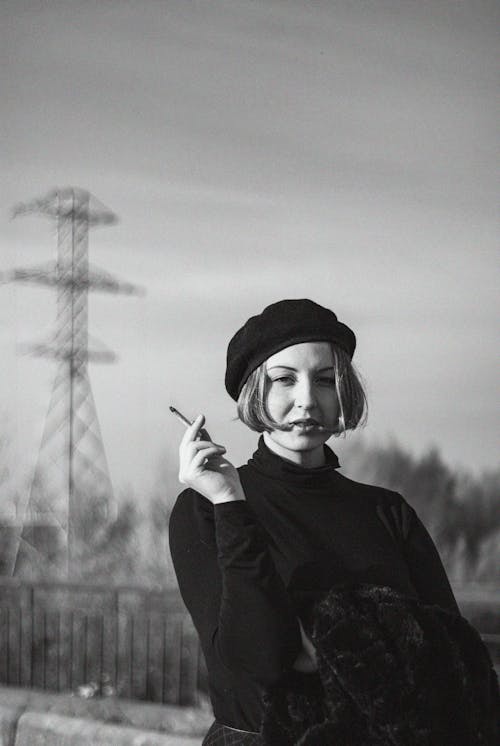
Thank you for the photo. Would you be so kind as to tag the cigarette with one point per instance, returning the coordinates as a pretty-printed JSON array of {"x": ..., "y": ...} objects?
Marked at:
[
  {"x": 180, "y": 416},
  {"x": 202, "y": 435}
]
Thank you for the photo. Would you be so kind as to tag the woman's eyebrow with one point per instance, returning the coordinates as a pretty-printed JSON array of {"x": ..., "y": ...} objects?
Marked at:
[{"x": 289, "y": 367}]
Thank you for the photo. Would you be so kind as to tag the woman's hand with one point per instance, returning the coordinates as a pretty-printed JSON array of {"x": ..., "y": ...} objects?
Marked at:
[{"x": 203, "y": 467}]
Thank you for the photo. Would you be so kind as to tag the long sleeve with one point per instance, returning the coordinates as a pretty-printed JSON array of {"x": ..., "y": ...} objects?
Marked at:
[
  {"x": 231, "y": 588},
  {"x": 426, "y": 568}
]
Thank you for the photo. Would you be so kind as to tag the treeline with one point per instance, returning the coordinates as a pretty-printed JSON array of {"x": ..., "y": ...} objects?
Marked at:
[{"x": 460, "y": 510}]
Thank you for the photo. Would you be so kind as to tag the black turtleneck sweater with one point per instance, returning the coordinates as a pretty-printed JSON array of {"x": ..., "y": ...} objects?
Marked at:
[{"x": 248, "y": 570}]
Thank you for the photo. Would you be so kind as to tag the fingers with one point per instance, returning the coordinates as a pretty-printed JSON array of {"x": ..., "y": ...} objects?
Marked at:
[
  {"x": 205, "y": 454},
  {"x": 198, "y": 446},
  {"x": 194, "y": 467},
  {"x": 195, "y": 431},
  {"x": 194, "y": 454},
  {"x": 192, "y": 431}
]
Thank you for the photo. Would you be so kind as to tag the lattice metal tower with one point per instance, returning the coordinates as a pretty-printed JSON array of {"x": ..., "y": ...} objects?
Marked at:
[{"x": 71, "y": 479}]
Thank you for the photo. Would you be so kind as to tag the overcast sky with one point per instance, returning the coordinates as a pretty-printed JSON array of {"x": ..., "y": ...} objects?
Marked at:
[{"x": 253, "y": 151}]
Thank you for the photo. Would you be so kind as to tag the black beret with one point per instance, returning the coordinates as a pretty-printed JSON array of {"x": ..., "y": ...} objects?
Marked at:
[{"x": 281, "y": 325}]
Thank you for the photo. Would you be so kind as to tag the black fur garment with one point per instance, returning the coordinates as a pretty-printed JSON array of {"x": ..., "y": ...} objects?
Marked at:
[{"x": 391, "y": 672}]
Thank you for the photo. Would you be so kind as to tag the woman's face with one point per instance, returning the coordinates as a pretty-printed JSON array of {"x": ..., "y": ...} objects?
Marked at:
[{"x": 302, "y": 398}]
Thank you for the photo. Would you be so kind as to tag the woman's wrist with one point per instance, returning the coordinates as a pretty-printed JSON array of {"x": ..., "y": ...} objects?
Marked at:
[{"x": 229, "y": 498}]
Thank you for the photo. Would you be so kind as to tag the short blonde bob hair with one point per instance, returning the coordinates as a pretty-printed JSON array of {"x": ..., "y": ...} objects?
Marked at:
[{"x": 351, "y": 396}]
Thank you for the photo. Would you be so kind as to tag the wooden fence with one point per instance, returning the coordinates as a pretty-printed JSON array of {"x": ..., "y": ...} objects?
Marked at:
[{"x": 59, "y": 636}]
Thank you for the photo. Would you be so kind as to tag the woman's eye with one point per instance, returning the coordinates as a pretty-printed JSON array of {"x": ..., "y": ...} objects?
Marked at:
[
  {"x": 327, "y": 381},
  {"x": 283, "y": 379}
]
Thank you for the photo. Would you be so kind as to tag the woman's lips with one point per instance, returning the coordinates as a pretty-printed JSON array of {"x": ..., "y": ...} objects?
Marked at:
[{"x": 305, "y": 425}]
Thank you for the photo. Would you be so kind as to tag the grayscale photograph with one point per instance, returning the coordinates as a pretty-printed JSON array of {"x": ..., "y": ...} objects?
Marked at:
[{"x": 249, "y": 324}]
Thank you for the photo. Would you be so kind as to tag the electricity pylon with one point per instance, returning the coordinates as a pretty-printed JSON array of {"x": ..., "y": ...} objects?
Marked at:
[{"x": 71, "y": 481}]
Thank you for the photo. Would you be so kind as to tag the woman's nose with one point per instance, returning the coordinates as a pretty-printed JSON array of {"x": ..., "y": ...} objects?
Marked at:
[{"x": 304, "y": 394}]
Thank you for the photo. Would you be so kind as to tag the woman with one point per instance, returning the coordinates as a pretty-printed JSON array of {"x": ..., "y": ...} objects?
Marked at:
[{"x": 257, "y": 549}]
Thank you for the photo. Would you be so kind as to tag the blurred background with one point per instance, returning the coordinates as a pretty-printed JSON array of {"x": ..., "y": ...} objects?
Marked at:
[{"x": 255, "y": 150}]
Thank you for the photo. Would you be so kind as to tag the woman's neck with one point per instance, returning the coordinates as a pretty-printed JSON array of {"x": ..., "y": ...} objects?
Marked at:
[{"x": 308, "y": 459}]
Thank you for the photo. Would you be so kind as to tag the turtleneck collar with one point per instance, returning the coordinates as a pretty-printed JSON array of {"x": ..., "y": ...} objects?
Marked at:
[{"x": 276, "y": 467}]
